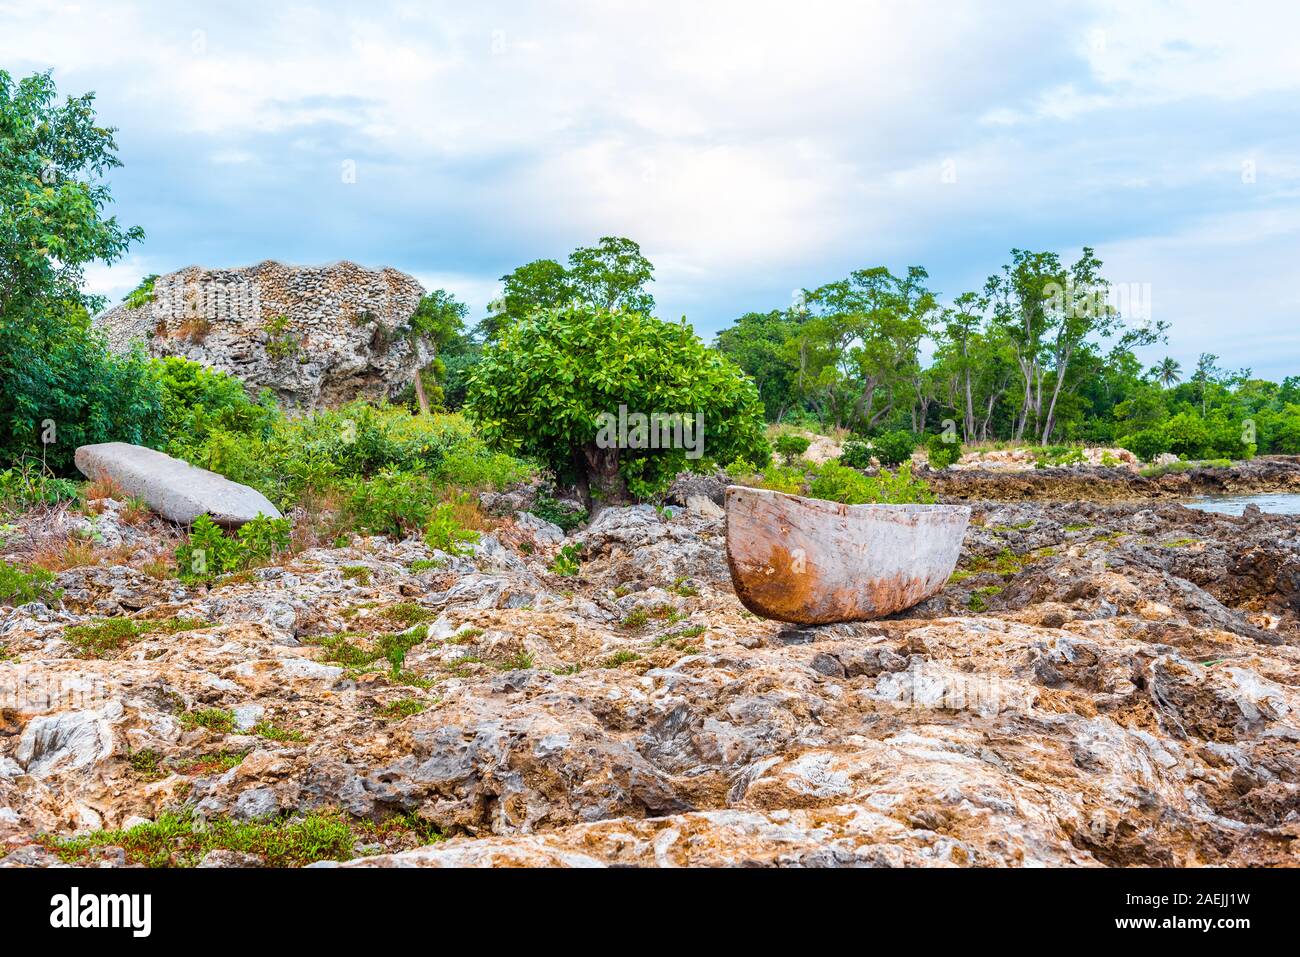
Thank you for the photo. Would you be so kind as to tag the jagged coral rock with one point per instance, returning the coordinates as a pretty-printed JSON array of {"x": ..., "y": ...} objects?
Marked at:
[{"x": 316, "y": 336}]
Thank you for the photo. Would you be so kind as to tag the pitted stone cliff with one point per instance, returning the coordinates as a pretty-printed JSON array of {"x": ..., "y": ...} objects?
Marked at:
[{"x": 316, "y": 336}]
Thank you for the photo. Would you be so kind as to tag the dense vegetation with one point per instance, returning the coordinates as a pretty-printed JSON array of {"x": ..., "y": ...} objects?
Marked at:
[{"x": 1039, "y": 355}]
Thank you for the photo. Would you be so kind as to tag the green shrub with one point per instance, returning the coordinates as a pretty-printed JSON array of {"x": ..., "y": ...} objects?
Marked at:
[
  {"x": 198, "y": 401},
  {"x": 791, "y": 446},
  {"x": 1058, "y": 455},
  {"x": 18, "y": 587},
  {"x": 392, "y": 503},
  {"x": 209, "y": 552},
  {"x": 1146, "y": 444},
  {"x": 444, "y": 533},
  {"x": 893, "y": 448},
  {"x": 838, "y": 483},
  {"x": 856, "y": 454},
  {"x": 943, "y": 450},
  {"x": 564, "y": 514},
  {"x": 567, "y": 560},
  {"x": 27, "y": 485},
  {"x": 547, "y": 386}
]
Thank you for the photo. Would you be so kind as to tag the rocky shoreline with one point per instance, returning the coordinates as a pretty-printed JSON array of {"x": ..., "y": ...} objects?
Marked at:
[
  {"x": 1101, "y": 683},
  {"x": 1277, "y": 473}
]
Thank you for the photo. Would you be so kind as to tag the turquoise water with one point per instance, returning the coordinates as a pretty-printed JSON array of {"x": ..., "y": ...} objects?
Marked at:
[{"x": 1279, "y": 503}]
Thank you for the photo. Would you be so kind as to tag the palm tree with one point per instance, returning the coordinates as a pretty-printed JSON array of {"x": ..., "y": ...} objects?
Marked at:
[{"x": 1168, "y": 372}]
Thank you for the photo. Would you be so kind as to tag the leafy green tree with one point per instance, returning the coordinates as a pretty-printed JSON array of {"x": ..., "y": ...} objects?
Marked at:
[
  {"x": 612, "y": 273},
  {"x": 758, "y": 343},
  {"x": 548, "y": 387},
  {"x": 540, "y": 284},
  {"x": 1167, "y": 372},
  {"x": 59, "y": 387},
  {"x": 438, "y": 320}
]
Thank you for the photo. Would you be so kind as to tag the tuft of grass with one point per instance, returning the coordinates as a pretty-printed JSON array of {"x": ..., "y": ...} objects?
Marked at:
[
  {"x": 681, "y": 587},
  {"x": 98, "y": 638},
  {"x": 178, "y": 839},
  {"x": 465, "y": 636},
  {"x": 619, "y": 658},
  {"x": 1181, "y": 542},
  {"x": 146, "y": 764},
  {"x": 264, "y": 729},
  {"x": 636, "y": 619},
  {"x": 521, "y": 661},
  {"x": 978, "y": 600},
  {"x": 214, "y": 719},
  {"x": 427, "y": 564},
  {"x": 407, "y": 614},
  {"x": 402, "y": 708},
  {"x": 356, "y": 573},
  {"x": 216, "y": 763}
]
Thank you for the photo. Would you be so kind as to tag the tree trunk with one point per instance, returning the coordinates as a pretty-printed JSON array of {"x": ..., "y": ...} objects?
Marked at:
[
  {"x": 419, "y": 392},
  {"x": 605, "y": 481}
]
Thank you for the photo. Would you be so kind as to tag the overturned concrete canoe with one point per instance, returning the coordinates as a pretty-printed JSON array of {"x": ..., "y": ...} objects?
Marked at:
[
  {"x": 812, "y": 562},
  {"x": 174, "y": 489}
]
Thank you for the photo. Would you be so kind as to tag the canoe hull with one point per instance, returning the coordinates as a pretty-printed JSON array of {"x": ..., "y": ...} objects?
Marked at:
[{"x": 812, "y": 562}]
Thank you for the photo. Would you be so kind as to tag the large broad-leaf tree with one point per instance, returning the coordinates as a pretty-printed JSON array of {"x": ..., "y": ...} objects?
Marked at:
[
  {"x": 59, "y": 387},
  {"x": 547, "y": 386},
  {"x": 612, "y": 273}
]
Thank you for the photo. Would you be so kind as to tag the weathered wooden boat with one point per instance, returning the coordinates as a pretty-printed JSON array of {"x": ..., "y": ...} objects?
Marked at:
[{"x": 812, "y": 562}]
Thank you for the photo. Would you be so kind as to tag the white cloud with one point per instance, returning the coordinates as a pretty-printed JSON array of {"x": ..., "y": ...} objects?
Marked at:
[{"x": 750, "y": 147}]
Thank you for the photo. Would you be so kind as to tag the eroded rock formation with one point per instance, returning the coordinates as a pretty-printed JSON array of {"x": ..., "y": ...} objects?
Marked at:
[
  {"x": 1104, "y": 684},
  {"x": 316, "y": 336}
]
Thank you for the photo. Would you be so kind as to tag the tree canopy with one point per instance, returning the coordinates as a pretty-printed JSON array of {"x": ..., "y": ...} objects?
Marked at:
[{"x": 551, "y": 383}]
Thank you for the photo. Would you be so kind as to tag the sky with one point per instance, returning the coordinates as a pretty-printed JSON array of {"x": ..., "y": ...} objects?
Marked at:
[{"x": 752, "y": 149}]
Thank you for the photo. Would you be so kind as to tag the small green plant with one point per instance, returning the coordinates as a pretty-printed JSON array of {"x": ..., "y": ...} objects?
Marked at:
[
  {"x": 427, "y": 564},
  {"x": 1058, "y": 456},
  {"x": 978, "y": 600},
  {"x": 402, "y": 708},
  {"x": 790, "y": 446},
  {"x": 619, "y": 658},
  {"x": 856, "y": 454},
  {"x": 18, "y": 587},
  {"x": 567, "y": 560},
  {"x": 682, "y": 587},
  {"x": 281, "y": 343},
  {"x": 214, "y": 719},
  {"x": 209, "y": 553},
  {"x": 142, "y": 294},
  {"x": 28, "y": 485},
  {"x": 356, "y": 573},
  {"x": 636, "y": 619},
  {"x": 837, "y": 483},
  {"x": 566, "y": 515},
  {"x": 146, "y": 764},
  {"x": 264, "y": 729},
  {"x": 943, "y": 450},
  {"x": 444, "y": 533},
  {"x": 216, "y": 763},
  {"x": 893, "y": 448},
  {"x": 521, "y": 661}
]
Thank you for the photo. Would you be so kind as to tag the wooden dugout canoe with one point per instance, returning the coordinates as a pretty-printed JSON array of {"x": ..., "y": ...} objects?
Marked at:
[{"x": 812, "y": 562}]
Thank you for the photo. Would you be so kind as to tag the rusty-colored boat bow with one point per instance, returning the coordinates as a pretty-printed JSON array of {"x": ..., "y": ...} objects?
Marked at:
[{"x": 812, "y": 562}]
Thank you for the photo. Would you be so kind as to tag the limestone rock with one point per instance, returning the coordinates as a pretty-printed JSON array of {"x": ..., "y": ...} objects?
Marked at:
[
  {"x": 174, "y": 489},
  {"x": 315, "y": 336}
]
